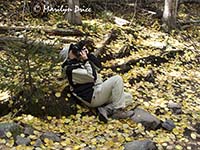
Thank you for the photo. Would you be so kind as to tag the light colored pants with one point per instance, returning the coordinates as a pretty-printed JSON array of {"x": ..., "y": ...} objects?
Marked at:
[{"x": 111, "y": 92}]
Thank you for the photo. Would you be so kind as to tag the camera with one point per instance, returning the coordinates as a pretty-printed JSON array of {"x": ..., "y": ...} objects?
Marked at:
[{"x": 77, "y": 48}]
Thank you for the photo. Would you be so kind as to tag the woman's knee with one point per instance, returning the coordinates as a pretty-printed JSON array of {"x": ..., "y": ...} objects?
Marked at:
[{"x": 118, "y": 79}]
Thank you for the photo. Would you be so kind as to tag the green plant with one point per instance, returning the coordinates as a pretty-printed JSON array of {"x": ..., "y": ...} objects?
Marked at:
[{"x": 27, "y": 69}]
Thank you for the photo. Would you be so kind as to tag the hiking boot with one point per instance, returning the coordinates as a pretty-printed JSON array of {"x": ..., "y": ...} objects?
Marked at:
[
  {"x": 121, "y": 114},
  {"x": 104, "y": 113}
]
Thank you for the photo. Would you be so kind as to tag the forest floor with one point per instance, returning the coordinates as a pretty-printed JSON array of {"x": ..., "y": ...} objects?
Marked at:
[{"x": 139, "y": 48}]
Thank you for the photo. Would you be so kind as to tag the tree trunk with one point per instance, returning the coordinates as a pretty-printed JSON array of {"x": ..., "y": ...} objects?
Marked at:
[
  {"x": 170, "y": 12},
  {"x": 74, "y": 16}
]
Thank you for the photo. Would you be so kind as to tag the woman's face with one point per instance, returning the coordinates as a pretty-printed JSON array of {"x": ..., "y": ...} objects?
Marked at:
[{"x": 71, "y": 55}]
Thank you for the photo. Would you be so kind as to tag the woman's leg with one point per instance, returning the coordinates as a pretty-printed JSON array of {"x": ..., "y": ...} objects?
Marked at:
[{"x": 111, "y": 92}]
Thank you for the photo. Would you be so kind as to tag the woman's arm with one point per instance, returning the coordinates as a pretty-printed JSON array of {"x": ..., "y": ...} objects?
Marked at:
[
  {"x": 95, "y": 61},
  {"x": 85, "y": 74}
]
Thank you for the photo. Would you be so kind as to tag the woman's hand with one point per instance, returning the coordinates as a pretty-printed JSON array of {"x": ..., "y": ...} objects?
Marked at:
[{"x": 83, "y": 54}]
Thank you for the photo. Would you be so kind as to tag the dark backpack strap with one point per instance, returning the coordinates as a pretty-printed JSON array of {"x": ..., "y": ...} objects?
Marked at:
[
  {"x": 84, "y": 91},
  {"x": 94, "y": 73},
  {"x": 70, "y": 66}
]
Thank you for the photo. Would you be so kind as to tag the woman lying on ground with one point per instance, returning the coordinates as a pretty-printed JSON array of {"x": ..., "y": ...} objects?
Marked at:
[{"x": 80, "y": 68}]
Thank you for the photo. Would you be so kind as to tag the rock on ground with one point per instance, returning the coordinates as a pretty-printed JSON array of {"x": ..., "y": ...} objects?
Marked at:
[
  {"x": 14, "y": 128},
  {"x": 175, "y": 107},
  {"x": 168, "y": 125},
  {"x": 140, "y": 145},
  {"x": 50, "y": 135},
  {"x": 38, "y": 143},
  {"x": 22, "y": 140},
  {"x": 146, "y": 119},
  {"x": 28, "y": 130}
]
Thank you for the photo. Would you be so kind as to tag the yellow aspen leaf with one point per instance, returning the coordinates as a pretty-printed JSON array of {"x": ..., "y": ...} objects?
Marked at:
[
  {"x": 118, "y": 69},
  {"x": 61, "y": 130},
  {"x": 10, "y": 143},
  {"x": 63, "y": 143},
  {"x": 42, "y": 146},
  {"x": 128, "y": 139},
  {"x": 19, "y": 147},
  {"x": 48, "y": 141},
  {"x": 102, "y": 140},
  {"x": 29, "y": 117},
  {"x": 92, "y": 128},
  {"x": 68, "y": 141},
  {"x": 125, "y": 126},
  {"x": 23, "y": 147},
  {"x": 193, "y": 136},
  {"x": 37, "y": 132},
  {"x": 175, "y": 131},
  {"x": 49, "y": 117},
  {"x": 22, "y": 135},
  {"x": 8, "y": 134},
  {"x": 3, "y": 141},
  {"x": 33, "y": 137},
  {"x": 78, "y": 116},
  {"x": 146, "y": 104},
  {"x": 67, "y": 120},
  {"x": 186, "y": 140},
  {"x": 179, "y": 147},
  {"x": 76, "y": 147},
  {"x": 164, "y": 144},
  {"x": 109, "y": 143},
  {"x": 32, "y": 142},
  {"x": 58, "y": 94},
  {"x": 83, "y": 145},
  {"x": 94, "y": 141}
]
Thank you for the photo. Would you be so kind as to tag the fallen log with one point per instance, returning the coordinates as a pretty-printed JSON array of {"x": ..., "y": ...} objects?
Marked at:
[
  {"x": 5, "y": 41},
  {"x": 56, "y": 32},
  {"x": 180, "y": 1},
  {"x": 124, "y": 51},
  {"x": 189, "y": 1},
  {"x": 128, "y": 2},
  {"x": 108, "y": 38},
  {"x": 142, "y": 62},
  {"x": 142, "y": 1},
  {"x": 187, "y": 24},
  {"x": 150, "y": 77}
]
